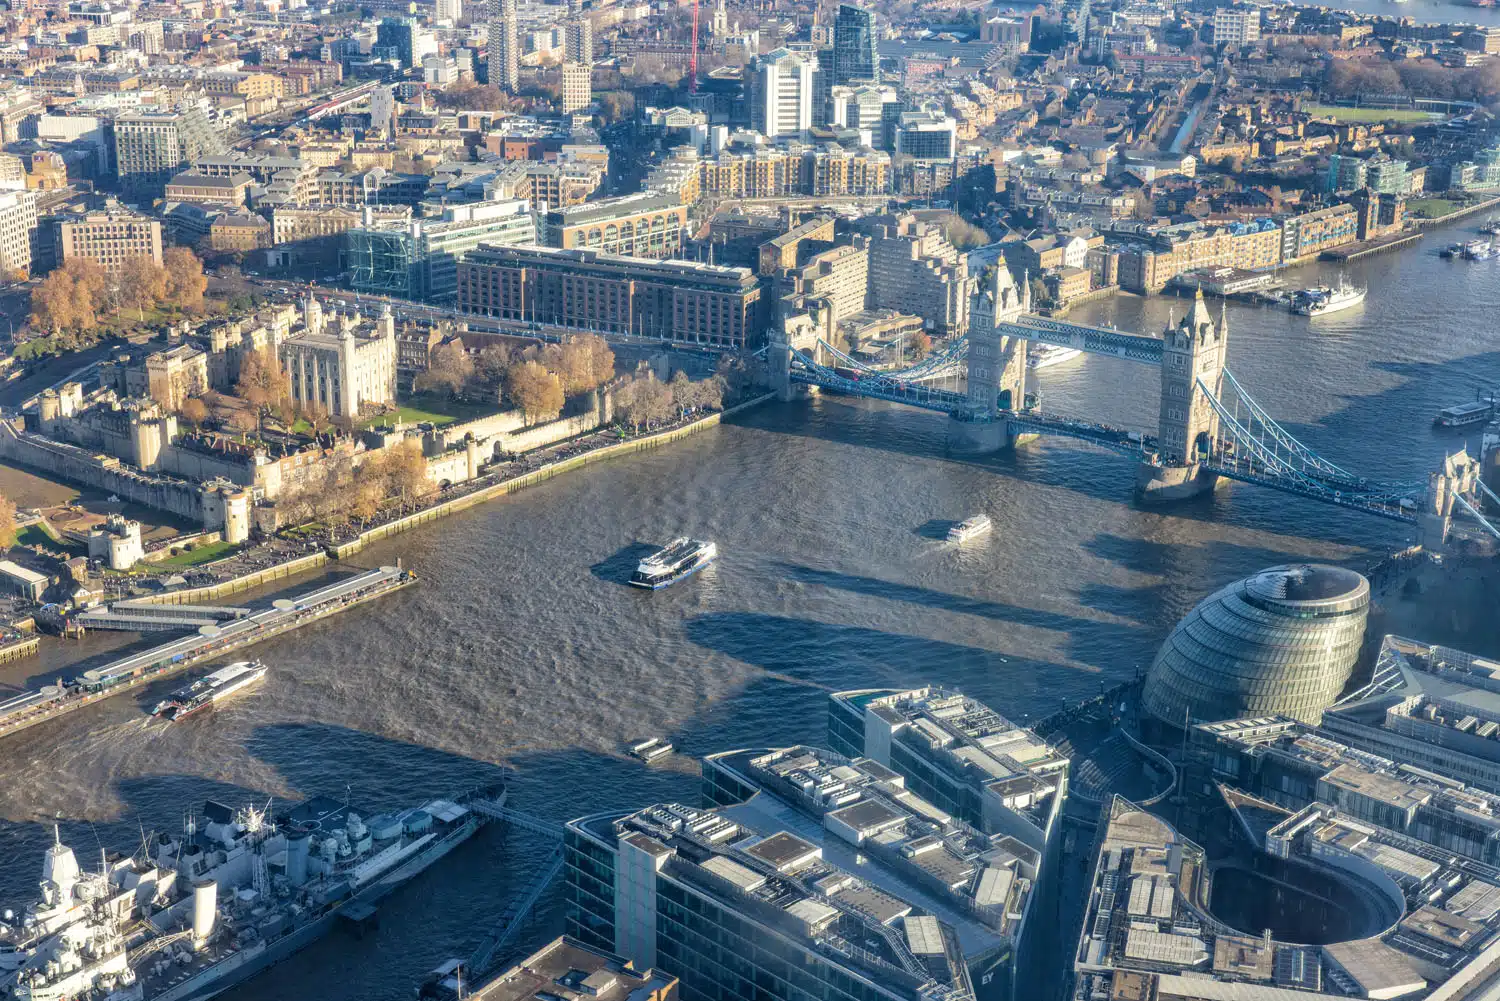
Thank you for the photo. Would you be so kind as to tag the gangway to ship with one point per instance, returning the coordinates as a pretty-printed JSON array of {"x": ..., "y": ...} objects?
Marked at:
[
  {"x": 514, "y": 917},
  {"x": 446, "y": 980},
  {"x": 494, "y": 810}
]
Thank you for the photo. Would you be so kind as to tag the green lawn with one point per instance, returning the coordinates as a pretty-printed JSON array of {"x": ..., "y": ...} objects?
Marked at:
[
  {"x": 1432, "y": 208},
  {"x": 32, "y": 535},
  {"x": 432, "y": 409},
  {"x": 204, "y": 553},
  {"x": 1371, "y": 114}
]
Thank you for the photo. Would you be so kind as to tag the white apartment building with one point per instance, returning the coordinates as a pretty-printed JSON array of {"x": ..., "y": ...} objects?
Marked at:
[{"x": 17, "y": 230}]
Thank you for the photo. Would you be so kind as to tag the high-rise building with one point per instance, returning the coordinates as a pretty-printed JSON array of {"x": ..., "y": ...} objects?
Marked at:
[
  {"x": 17, "y": 231},
  {"x": 856, "y": 58},
  {"x": 781, "y": 93},
  {"x": 1076, "y": 19},
  {"x": 719, "y": 25},
  {"x": 449, "y": 10},
  {"x": 505, "y": 57},
  {"x": 927, "y": 135},
  {"x": 577, "y": 88},
  {"x": 383, "y": 110},
  {"x": 400, "y": 34},
  {"x": 578, "y": 41},
  {"x": 151, "y": 147},
  {"x": 1236, "y": 26}
]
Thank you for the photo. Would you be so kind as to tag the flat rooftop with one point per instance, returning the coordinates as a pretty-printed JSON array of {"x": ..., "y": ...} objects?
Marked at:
[{"x": 564, "y": 970}]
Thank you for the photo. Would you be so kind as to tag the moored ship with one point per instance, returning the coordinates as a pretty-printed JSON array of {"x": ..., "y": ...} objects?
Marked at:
[
  {"x": 1477, "y": 250},
  {"x": 1321, "y": 300},
  {"x": 209, "y": 689},
  {"x": 190, "y": 916},
  {"x": 677, "y": 559},
  {"x": 970, "y": 528},
  {"x": 1465, "y": 414}
]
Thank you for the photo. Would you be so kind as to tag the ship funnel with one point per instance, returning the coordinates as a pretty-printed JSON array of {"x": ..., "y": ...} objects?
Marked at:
[{"x": 205, "y": 910}]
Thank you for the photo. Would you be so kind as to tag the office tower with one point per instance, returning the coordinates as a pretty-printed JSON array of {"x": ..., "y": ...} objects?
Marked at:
[
  {"x": 578, "y": 42},
  {"x": 781, "y": 85},
  {"x": 854, "y": 46},
  {"x": 400, "y": 34},
  {"x": 450, "y": 10},
  {"x": 505, "y": 57},
  {"x": 577, "y": 90}
]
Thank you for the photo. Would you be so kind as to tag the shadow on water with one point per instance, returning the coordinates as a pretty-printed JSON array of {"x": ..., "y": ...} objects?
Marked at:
[
  {"x": 618, "y": 566},
  {"x": 1091, "y": 641},
  {"x": 1159, "y": 558},
  {"x": 935, "y": 529}
]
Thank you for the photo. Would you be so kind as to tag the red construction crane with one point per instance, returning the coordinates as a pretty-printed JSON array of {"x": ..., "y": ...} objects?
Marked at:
[{"x": 693, "y": 57}]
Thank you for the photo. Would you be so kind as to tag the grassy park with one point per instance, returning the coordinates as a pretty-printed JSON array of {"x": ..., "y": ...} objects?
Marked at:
[{"x": 1370, "y": 114}]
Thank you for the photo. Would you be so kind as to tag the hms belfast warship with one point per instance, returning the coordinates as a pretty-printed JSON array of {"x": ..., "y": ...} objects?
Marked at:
[{"x": 190, "y": 916}]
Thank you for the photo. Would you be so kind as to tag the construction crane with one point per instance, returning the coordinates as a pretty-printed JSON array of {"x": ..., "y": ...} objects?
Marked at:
[{"x": 693, "y": 56}]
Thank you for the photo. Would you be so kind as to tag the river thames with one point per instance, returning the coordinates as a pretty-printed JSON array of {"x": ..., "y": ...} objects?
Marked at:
[{"x": 523, "y": 648}]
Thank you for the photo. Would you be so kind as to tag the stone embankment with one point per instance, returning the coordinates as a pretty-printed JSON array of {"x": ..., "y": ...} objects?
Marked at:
[{"x": 442, "y": 509}]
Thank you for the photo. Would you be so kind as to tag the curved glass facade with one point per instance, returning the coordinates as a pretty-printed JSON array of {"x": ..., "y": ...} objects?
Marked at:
[{"x": 1282, "y": 641}]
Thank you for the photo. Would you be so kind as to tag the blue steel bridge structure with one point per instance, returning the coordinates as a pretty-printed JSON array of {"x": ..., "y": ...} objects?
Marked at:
[{"x": 1220, "y": 429}]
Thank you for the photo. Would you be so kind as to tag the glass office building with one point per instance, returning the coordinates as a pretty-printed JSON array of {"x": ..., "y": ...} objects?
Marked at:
[
  {"x": 1282, "y": 641},
  {"x": 743, "y": 913},
  {"x": 855, "y": 39}
]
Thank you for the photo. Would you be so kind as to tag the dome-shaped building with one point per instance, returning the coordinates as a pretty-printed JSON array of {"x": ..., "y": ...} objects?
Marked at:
[{"x": 1281, "y": 641}]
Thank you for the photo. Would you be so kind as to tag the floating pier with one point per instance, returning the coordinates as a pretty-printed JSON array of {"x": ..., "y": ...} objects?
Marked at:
[{"x": 209, "y": 642}]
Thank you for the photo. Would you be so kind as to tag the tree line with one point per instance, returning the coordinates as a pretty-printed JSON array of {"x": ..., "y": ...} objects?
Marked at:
[
  {"x": 537, "y": 380},
  {"x": 643, "y": 400},
  {"x": 1347, "y": 78},
  {"x": 76, "y": 295},
  {"x": 335, "y": 491}
]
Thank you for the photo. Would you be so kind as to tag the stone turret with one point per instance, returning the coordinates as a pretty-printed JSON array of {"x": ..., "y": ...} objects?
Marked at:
[{"x": 312, "y": 315}]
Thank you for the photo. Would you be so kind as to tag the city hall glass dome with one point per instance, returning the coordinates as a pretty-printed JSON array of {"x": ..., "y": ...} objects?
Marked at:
[{"x": 1281, "y": 641}]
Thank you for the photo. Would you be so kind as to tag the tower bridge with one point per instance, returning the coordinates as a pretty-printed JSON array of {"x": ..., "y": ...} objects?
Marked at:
[{"x": 1209, "y": 429}]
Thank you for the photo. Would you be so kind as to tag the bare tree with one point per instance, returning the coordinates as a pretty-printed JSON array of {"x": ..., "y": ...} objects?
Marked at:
[
  {"x": 450, "y": 368},
  {"x": 538, "y": 392}
]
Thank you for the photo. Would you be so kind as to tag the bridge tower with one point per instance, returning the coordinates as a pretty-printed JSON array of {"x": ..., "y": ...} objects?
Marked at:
[
  {"x": 1188, "y": 427},
  {"x": 996, "y": 366},
  {"x": 797, "y": 331}
]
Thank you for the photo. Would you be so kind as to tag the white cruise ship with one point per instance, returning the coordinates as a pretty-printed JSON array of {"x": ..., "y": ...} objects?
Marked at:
[
  {"x": 677, "y": 559},
  {"x": 1047, "y": 355},
  {"x": 209, "y": 689},
  {"x": 970, "y": 528}
]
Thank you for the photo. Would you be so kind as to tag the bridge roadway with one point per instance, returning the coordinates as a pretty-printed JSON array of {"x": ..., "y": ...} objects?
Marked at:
[
  {"x": 1227, "y": 460},
  {"x": 1141, "y": 348},
  {"x": 947, "y": 402}
]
